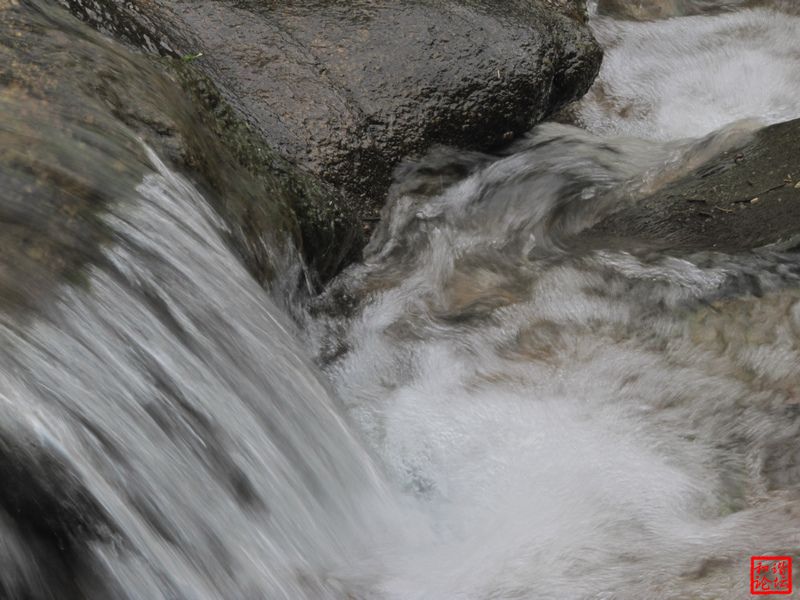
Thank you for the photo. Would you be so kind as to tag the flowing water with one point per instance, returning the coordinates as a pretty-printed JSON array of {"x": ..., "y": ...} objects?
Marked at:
[{"x": 484, "y": 408}]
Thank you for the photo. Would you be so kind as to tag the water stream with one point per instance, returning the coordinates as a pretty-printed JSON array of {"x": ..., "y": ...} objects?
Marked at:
[{"x": 485, "y": 408}]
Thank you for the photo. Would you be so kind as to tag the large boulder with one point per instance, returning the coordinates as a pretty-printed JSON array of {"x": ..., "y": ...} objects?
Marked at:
[
  {"x": 348, "y": 88},
  {"x": 745, "y": 198}
]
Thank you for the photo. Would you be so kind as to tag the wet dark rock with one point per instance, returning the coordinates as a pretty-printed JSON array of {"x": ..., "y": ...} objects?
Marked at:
[
  {"x": 574, "y": 9},
  {"x": 45, "y": 497},
  {"x": 72, "y": 105},
  {"x": 48, "y": 518},
  {"x": 278, "y": 196},
  {"x": 745, "y": 198},
  {"x": 350, "y": 88}
]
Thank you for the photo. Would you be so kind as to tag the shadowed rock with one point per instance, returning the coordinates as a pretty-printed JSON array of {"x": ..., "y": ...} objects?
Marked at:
[
  {"x": 48, "y": 518},
  {"x": 745, "y": 198}
]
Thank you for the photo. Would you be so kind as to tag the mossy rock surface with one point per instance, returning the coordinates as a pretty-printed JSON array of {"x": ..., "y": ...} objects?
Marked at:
[{"x": 74, "y": 109}]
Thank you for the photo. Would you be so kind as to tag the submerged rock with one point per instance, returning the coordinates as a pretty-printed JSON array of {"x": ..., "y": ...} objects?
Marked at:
[
  {"x": 348, "y": 89},
  {"x": 745, "y": 198}
]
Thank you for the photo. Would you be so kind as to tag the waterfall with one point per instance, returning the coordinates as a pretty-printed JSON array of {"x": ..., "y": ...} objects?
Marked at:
[{"x": 488, "y": 406}]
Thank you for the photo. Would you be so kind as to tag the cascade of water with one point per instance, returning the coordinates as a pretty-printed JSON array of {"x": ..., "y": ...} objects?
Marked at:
[{"x": 502, "y": 412}]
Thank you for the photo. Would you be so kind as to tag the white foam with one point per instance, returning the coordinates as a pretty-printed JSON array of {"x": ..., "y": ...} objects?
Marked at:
[
  {"x": 588, "y": 426},
  {"x": 689, "y": 76}
]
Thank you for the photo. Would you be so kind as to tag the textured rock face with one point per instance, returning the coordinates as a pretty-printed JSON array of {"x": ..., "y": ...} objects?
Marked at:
[
  {"x": 744, "y": 198},
  {"x": 350, "y": 88},
  {"x": 575, "y": 9},
  {"x": 72, "y": 105}
]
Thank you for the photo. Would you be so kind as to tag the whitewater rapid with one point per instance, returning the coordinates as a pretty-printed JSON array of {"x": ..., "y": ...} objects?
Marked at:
[
  {"x": 483, "y": 408},
  {"x": 585, "y": 424}
]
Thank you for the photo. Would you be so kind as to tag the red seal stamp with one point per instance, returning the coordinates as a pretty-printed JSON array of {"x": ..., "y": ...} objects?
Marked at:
[{"x": 770, "y": 575}]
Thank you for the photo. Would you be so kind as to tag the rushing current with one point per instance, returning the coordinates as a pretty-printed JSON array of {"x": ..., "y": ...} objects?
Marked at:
[{"x": 484, "y": 408}]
